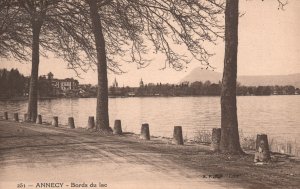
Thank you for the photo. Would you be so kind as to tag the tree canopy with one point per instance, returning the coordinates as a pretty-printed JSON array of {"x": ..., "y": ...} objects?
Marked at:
[
  {"x": 14, "y": 34},
  {"x": 134, "y": 29}
]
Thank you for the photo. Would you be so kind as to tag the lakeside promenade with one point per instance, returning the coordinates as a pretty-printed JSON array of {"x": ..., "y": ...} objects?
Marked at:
[{"x": 33, "y": 155}]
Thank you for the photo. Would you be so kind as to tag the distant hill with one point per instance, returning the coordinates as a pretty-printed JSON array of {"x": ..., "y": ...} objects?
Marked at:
[{"x": 203, "y": 75}]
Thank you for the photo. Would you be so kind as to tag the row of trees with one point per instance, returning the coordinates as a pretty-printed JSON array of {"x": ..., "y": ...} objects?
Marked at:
[
  {"x": 184, "y": 89},
  {"x": 267, "y": 90},
  {"x": 101, "y": 32},
  {"x": 12, "y": 83},
  {"x": 199, "y": 88}
]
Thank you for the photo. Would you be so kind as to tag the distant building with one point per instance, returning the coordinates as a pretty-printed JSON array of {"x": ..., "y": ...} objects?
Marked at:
[
  {"x": 115, "y": 90},
  {"x": 131, "y": 94},
  {"x": 59, "y": 86},
  {"x": 64, "y": 84},
  {"x": 50, "y": 75},
  {"x": 68, "y": 84},
  {"x": 55, "y": 83}
]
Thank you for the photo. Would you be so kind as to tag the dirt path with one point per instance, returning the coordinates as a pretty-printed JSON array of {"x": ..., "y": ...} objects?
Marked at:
[{"x": 32, "y": 154}]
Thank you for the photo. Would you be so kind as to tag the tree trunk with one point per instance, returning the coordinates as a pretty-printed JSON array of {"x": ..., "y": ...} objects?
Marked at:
[
  {"x": 102, "y": 119},
  {"x": 33, "y": 88},
  {"x": 230, "y": 142}
]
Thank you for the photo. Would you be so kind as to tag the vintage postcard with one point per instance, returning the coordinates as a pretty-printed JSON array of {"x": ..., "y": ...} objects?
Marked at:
[{"x": 152, "y": 94}]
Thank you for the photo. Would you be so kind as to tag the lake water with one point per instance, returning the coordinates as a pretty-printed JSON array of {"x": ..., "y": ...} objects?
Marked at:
[{"x": 277, "y": 116}]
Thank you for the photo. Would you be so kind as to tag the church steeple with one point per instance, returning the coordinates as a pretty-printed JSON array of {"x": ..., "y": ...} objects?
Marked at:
[
  {"x": 115, "y": 83},
  {"x": 141, "y": 83}
]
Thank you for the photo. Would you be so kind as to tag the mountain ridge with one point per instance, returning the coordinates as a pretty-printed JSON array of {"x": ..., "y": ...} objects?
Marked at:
[{"x": 199, "y": 74}]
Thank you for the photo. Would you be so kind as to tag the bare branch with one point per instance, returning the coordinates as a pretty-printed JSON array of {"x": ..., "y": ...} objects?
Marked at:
[{"x": 282, "y": 4}]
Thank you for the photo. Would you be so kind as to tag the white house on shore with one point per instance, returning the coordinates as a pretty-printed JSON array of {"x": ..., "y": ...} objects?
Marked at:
[{"x": 68, "y": 84}]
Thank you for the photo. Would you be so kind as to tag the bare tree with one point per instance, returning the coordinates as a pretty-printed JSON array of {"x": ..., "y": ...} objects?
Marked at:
[
  {"x": 135, "y": 28},
  {"x": 229, "y": 124},
  {"x": 36, "y": 12},
  {"x": 35, "y": 16},
  {"x": 31, "y": 24},
  {"x": 230, "y": 142},
  {"x": 102, "y": 117}
]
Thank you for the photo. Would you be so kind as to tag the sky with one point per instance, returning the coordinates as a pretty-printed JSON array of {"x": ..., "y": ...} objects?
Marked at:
[{"x": 269, "y": 44}]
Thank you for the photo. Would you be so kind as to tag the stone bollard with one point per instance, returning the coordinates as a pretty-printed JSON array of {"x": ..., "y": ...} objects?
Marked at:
[
  {"x": 39, "y": 119},
  {"x": 145, "y": 133},
  {"x": 5, "y": 115},
  {"x": 55, "y": 121},
  {"x": 215, "y": 139},
  {"x": 71, "y": 122},
  {"x": 25, "y": 117},
  {"x": 16, "y": 117},
  {"x": 91, "y": 122},
  {"x": 177, "y": 136},
  {"x": 117, "y": 127},
  {"x": 262, "y": 153}
]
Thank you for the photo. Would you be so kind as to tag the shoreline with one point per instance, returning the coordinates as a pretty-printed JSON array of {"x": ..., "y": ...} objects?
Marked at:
[
  {"x": 50, "y": 98},
  {"x": 191, "y": 162},
  {"x": 203, "y": 137}
]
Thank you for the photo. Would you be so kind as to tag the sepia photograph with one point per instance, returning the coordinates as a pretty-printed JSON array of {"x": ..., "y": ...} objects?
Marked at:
[{"x": 149, "y": 94}]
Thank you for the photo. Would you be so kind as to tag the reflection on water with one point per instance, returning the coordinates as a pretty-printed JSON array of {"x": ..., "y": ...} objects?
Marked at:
[{"x": 278, "y": 116}]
